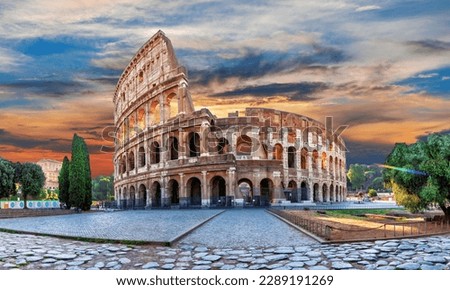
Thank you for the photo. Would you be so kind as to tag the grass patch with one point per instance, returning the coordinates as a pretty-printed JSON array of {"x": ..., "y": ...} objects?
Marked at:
[{"x": 356, "y": 213}]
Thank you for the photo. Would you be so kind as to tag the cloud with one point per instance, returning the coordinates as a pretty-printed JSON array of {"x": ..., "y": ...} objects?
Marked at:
[
  {"x": 367, "y": 8},
  {"x": 11, "y": 60},
  {"x": 430, "y": 45},
  {"x": 427, "y": 76},
  {"x": 445, "y": 78}
]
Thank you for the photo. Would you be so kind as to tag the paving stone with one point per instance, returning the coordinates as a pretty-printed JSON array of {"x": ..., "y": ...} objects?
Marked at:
[
  {"x": 256, "y": 267},
  {"x": 75, "y": 263},
  {"x": 351, "y": 259},
  {"x": 370, "y": 251},
  {"x": 408, "y": 266},
  {"x": 277, "y": 257},
  {"x": 435, "y": 259},
  {"x": 217, "y": 265},
  {"x": 432, "y": 267},
  {"x": 341, "y": 265},
  {"x": 168, "y": 261},
  {"x": 150, "y": 265},
  {"x": 319, "y": 268},
  {"x": 185, "y": 259},
  {"x": 314, "y": 254},
  {"x": 167, "y": 266},
  {"x": 284, "y": 250},
  {"x": 391, "y": 244},
  {"x": 201, "y": 249},
  {"x": 385, "y": 268},
  {"x": 296, "y": 264},
  {"x": 9, "y": 265},
  {"x": 34, "y": 258},
  {"x": 124, "y": 261},
  {"x": 99, "y": 265},
  {"x": 202, "y": 267},
  {"x": 64, "y": 256},
  {"x": 111, "y": 264},
  {"x": 211, "y": 258},
  {"x": 259, "y": 261},
  {"x": 227, "y": 267}
]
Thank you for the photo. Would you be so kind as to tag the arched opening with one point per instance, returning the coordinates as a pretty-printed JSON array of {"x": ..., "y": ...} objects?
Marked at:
[
  {"x": 155, "y": 113},
  {"x": 123, "y": 199},
  {"x": 336, "y": 168},
  {"x": 291, "y": 157},
  {"x": 131, "y": 161},
  {"x": 172, "y": 100},
  {"x": 132, "y": 197},
  {"x": 304, "y": 155},
  {"x": 330, "y": 164},
  {"x": 194, "y": 144},
  {"x": 324, "y": 161},
  {"x": 278, "y": 152},
  {"x": 245, "y": 188},
  {"x": 141, "y": 119},
  {"x": 155, "y": 152},
  {"x": 174, "y": 192},
  {"x": 223, "y": 146},
  {"x": 218, "y": 191},
  {"x": 332, "y": 194},
  {"x": 173, "y": 148},
  {"x": 315, "y": 157},
  {"x": 156, "y": 194},
  {"x": 141, "y": 157},
  {"x": 266, "y": 186},
  {"x": 316, "y": 196},
  {"x": 123, "y": 165},
  {"x": 304, "y": 191},
  {"x": 132, "y": 126},
  {"x": 142, "y": 196},
  {"x": 325, "y": 193},
  {"x": 244, "y": 145},
  {"x": 292, "y": 192},
  {"x": 194, "y": 188},
  {"x": 141, "y": 76}
]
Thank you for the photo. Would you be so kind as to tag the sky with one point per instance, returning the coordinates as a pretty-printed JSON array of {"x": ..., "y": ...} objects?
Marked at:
[{"x": 380, "y": 67}]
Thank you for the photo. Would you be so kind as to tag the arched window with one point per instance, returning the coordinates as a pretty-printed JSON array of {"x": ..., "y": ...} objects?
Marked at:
[
  {"x": 141, "y": 157},
  {"x": 194, "y": 144},
  {"x": 244, "y": 145},
  {"x": 324, "y": 160},
  {"x": 131, "y": 161},
  {"x": 172, "y": 100},
  {"x": 278, "y": 152},
  {"x": 291, "y": 157},
  {"x": 315, "y": 159},
  {"x": 173, "y": 148},
  {"x": 154, "y": 152},
  {"x": 303, "y": 158},
  {"x": 222, "y": 146}
]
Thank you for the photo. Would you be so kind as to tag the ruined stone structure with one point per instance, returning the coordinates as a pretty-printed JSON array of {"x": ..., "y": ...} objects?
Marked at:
[
  {"x": 51, "y": 170},
  {"x": 170, "y": 155}
]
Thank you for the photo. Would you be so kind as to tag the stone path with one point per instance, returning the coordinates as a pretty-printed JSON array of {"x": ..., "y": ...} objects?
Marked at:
[
  {"x": 141, "y": 225},
  {"x": 38, "y": 252},
  {"x": 252, "y": 228}
]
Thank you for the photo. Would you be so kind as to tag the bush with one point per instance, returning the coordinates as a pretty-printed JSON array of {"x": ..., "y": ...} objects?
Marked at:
[{"x": 372, "y": 193}]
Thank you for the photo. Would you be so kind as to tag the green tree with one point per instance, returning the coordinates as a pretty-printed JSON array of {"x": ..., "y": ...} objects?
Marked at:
[
  {"x": 422, "y": 173},
  {"x": 6, "y": 177},
  {"x": 356, "y": 175},
  {"x": 32, "y": 179},
  {"x": 102, "y": 187},
  {"x": 63, "y": 180},
  {"x": 372, "y": 193},
  {"x": 377, "y": 183},
  {"x": 80, "y": 186}
]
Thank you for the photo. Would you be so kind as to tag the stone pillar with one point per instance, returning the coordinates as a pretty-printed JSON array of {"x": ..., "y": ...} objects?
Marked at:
[
  {"x": 204, "y": 130},
  {"x": 205, "y": 187},
  {"x": 278, "y": 194},
  {"x": 182, "y": 148},
  {"x": 183, "y": 194},
  {"x": 311, "y": 191},
  {"x": 149, "y": 198}
]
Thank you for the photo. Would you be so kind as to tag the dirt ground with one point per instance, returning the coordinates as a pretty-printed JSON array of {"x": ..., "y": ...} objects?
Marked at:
[{"x": 367, "y": 228}]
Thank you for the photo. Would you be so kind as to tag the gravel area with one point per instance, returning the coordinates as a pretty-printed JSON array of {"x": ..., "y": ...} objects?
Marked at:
[
  {"x": 246, "y": 228},
  {"x": 141, "y": 225}
]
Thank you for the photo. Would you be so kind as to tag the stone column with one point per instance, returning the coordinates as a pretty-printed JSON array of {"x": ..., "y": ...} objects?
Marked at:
[
  {"x": 205, "y": 187},
  {"x": 183, "y": 194},
  {"x": 181, "y": 144},
  {"x": 311, "y": 191},
  {"x": 278, "y": 194}
]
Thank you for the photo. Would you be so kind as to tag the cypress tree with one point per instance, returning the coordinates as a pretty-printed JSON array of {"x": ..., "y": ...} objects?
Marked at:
[
  {"x": 63, "y": 180},
  {"x": 80, "y": 175}
]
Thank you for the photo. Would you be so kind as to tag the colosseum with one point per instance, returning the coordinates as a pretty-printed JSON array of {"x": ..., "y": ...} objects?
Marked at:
[{"x": 169, "y": 155}]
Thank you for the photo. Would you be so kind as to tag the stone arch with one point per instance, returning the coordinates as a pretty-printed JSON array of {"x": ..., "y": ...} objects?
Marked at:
[
  {"x": 325, "y": 193},
  {"x": 172, "y": 101},
  {"x": 223, "y": 146},
  {"x": 218, "y": 190},
  {"x": 245, "y": 187},
  {"x": 155, "y": 153},
  {"x": 336, "y": 168},
  {"x": 292, "y": 157},
  {"x": 278, "y": 152},
  {"x": 132, "y": 125},
  {"x": 316, "y": 193},
  {"x": 330, "y": 165},
  {"x": 141, "y": 118},
  {"x": 142, "y": 196},
  {"x": 156, "y": 194},
  {"x": 293, "y": 191},
  {"x": 131, "y": 161},
  {"x": 155, "y": 113},
  {"x": 332, "y": 193},
  {"x": 194, "y": 191},
  {"x": 123, "y": 199},
  {"x": 304, "y": 191},
  {"x": 131, "y": 197},
  {"x": 315, "y": 159},
  {"x": 123, "y": 165},
  {"x": 173, "y": 148},
  {"x": 324, "y": 161},
  {"x": 141, "y": 156},
  {"x": 303, "y": 158},
  {"x": 266, "y": 187},
  {"x": 244, "y": 145},
  {"x": 174, "y": 192},
  {"x": 193, "y": 141}
]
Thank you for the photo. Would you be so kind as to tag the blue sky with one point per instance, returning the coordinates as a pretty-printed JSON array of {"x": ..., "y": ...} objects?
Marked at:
[{"x": 381, "y": 67}]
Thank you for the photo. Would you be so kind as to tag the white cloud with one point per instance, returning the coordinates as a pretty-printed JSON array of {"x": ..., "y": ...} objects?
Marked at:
[
  {"x": 427, "y": 76},
  {"x": 445, "y": 78},
  {"x": 11, "y": 60},
  {"x": 367, "y": 8}
]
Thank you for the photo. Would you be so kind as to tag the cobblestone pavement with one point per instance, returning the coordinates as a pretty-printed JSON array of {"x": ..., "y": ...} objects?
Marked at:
[
  {"x": 265, "y": 248},
  {"x": 38, "y": 252},
  {"x": 140, "y": 225},
  {"x": 250, "y": 227}
]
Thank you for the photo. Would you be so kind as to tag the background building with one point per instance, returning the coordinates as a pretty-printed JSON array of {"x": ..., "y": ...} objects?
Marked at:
[
  {"x": 51, "y": 170},
  {"x": 170, "y": 155}
]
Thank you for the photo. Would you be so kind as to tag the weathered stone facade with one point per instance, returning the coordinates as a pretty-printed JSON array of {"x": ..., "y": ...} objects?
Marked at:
[
  {"x": 51, "y": 170},
  {"x": 170, "y": 155}
]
